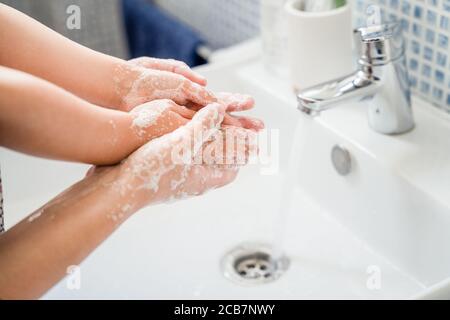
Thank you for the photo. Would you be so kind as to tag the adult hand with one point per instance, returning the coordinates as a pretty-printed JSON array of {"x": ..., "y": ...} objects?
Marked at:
[{"x": 187, "y": 162}]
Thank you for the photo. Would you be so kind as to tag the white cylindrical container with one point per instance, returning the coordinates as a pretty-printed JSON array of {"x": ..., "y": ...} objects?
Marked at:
[{"x": 319, "y": 44}]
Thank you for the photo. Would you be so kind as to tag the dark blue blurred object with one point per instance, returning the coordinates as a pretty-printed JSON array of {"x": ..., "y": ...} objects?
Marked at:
[{"x": 152, "y": 32}]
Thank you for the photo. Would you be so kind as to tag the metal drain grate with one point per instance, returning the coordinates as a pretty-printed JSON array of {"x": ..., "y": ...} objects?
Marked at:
[{"x": 251, "y": 264}]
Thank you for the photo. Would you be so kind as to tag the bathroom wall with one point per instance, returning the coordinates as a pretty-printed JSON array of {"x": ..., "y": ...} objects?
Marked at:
[
  {"x": 426, "y": 24},
  {"x": 101, "y": 21},
  {"x": 221, "y": 22}
]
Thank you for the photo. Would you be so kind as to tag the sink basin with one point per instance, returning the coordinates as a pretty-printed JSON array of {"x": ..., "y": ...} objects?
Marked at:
[{"x": 381, "y": 232}]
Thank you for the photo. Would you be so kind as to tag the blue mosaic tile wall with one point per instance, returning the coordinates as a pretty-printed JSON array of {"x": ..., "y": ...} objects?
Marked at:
[{"x": 426, "y": 25}]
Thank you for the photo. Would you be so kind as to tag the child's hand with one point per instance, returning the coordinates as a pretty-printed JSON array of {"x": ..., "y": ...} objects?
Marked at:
[
  {"x": 188, "y": 162},
  {"x": 159, "y": 117},
  {"x": 137, "y": 85},
  {"x": 236, "y": 102},
  {"x": 170, "y": 65}
]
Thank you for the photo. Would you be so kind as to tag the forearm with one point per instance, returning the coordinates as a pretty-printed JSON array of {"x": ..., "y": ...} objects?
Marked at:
[
  {"x": 35, "y": 254},
  {"x": 38, "y": 118},
  {"x": 27, "y": 45}
]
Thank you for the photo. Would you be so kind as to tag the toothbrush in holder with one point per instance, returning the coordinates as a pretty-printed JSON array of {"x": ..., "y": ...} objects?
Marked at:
[{"x": 322, "y": 5}]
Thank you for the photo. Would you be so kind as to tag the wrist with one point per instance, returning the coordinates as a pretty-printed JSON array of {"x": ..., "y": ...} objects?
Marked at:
[
  {"x": 129, "y": 191},
  {"x": 114, "y": 194},
  {"x": 125, "y": 76}
]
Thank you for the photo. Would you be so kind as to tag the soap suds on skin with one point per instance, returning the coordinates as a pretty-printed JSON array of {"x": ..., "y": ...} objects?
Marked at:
[
  {"x": 114, "y": 138},
  {"x": 235, "y": 101},
  {"x": 161, "y": 159},
  {"x": 146, "y": 116},
  {"x": 35, "y": 215},
  {"x": 118, "y": 215},
  {"x": 144, "y": 85},
  {"x": 155, "y": 161}
]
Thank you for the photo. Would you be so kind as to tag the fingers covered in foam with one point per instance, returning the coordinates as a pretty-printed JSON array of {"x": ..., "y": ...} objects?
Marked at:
[
  {"x": 236, "y": 102},
  {"x": 206, "y": 122},
  {"x": 159, "y": 117},
  {"x": 230, "y": 147},
  {"x": 171, "y": 65}
]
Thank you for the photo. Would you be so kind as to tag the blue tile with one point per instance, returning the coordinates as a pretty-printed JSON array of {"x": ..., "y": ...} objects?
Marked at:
[
  {"x": 428, "y": 53},
  {"x": 415, "y": 47},
  {"x": 394, "y": 4},
  {"x": 429, "y": 36},
  {"x": 446, "y": 5},
  {"x": 445, "y": 23},
  {"x": 406, "y": 7},
  {"x": 426, "y": 70},
  {"x": 418, "y": 12},
  {"x": 443, "y": 41},
  {"x": 437, "y": 93},
  {"x": 441, "y": 59},
  {"x": 413, "y": 64},
  {"x": 405, "y": 25},
  {"x": 431, "y": 17},
  {"x": 413, "y": 81},
  {"x": 424, "y": 87},
  {"x": 439, "y": 76}
]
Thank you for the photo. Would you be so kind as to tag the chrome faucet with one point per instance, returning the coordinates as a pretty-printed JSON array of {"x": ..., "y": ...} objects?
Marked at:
[{"x": 381, "y": 80}]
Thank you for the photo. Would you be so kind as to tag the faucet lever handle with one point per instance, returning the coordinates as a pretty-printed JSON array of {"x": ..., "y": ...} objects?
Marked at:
[
  {"x": 379, "y": 44},
  {"x": 378, "y": 32}
]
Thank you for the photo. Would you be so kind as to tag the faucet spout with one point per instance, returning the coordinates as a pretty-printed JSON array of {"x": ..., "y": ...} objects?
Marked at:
[
  {"x": 381, "y": 80},
  {"x": 325, "y": 96}
]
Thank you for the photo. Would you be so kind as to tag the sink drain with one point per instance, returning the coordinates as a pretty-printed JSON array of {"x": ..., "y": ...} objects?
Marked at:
[{"x": 251, "y": 264}]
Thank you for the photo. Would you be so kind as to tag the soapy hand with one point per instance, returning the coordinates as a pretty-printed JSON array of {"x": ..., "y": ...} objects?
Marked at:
[
  {"x": 137, "y": 85},
  {"x": 147, "y": 79},
  {"x": 236, "y": 102},
  {"x": 191, "y": 160},
  {"x": 159, "y": 117},
  {"x": 171, "y": 65}
]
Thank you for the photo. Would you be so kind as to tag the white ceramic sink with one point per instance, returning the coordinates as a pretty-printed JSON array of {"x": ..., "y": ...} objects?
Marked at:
[{"x": 389, "y": 218}]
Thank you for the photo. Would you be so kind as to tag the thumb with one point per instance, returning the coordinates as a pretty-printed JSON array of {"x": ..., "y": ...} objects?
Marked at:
[
  {"x": 187, "y": 141},
  {"x": 204, "y": 125},
  {"x": 207, "y": 121}
]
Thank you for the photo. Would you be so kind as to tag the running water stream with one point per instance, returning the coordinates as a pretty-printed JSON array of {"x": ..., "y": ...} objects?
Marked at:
[{"x": 290, "y": 180}]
